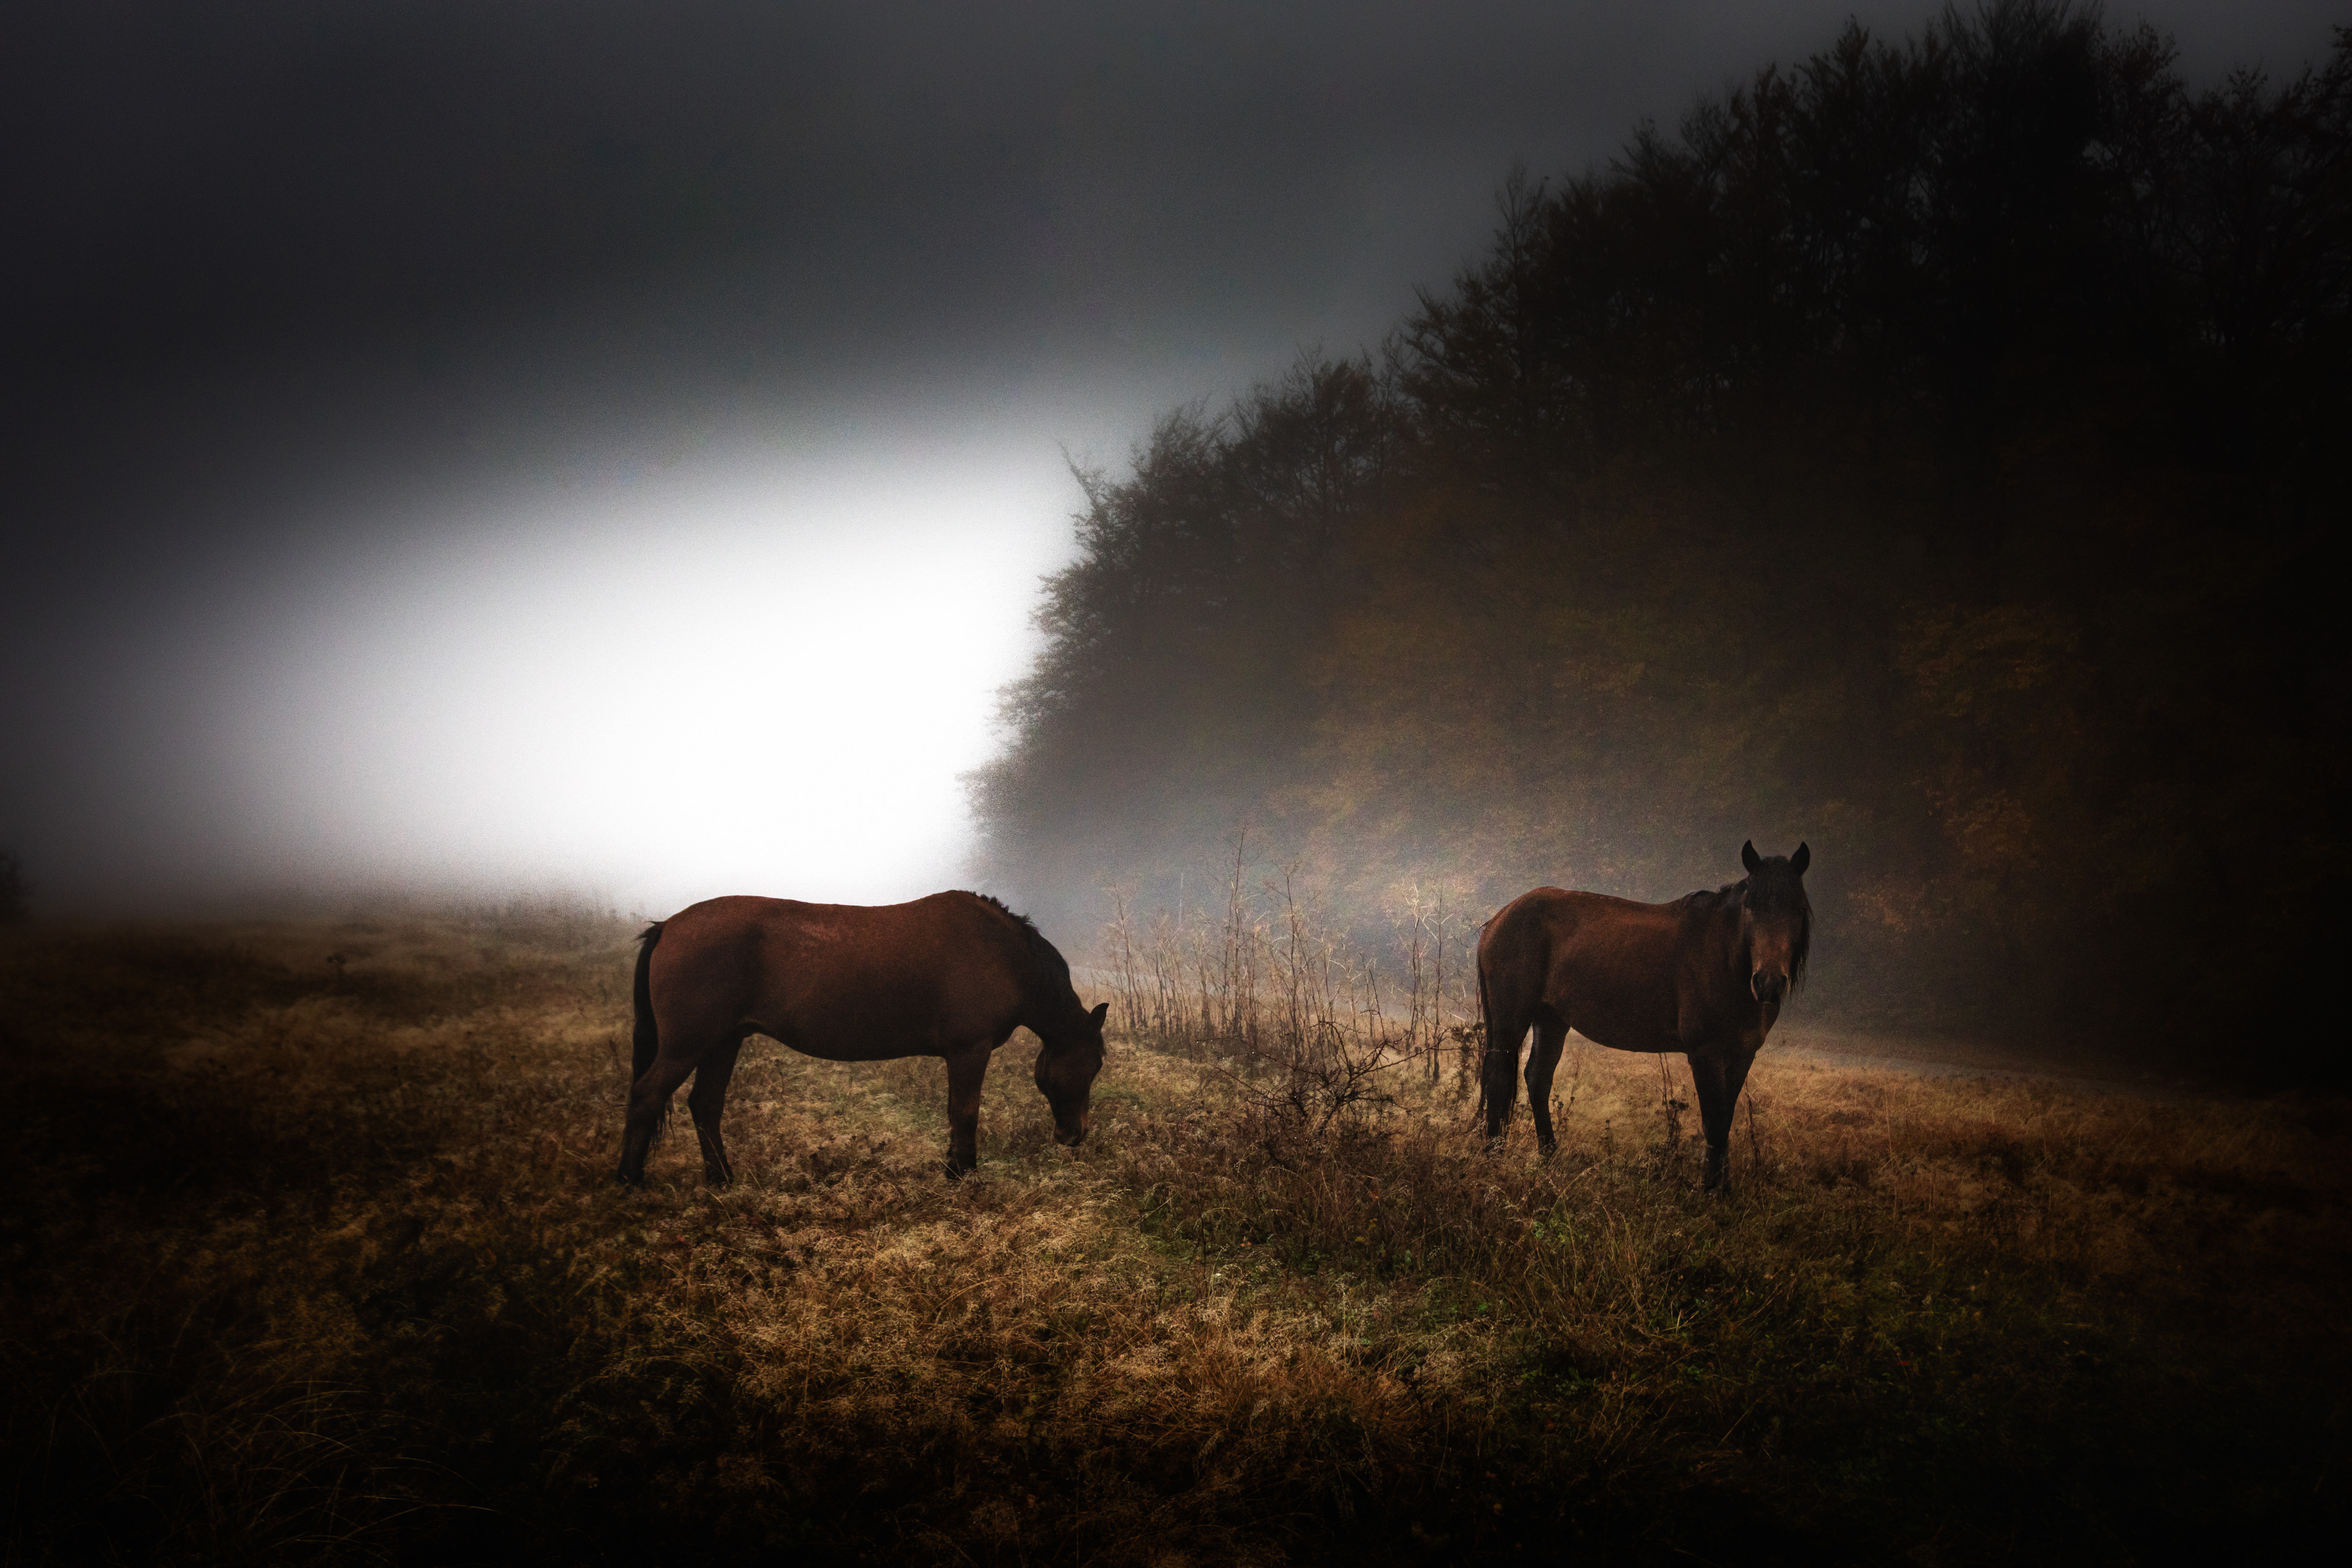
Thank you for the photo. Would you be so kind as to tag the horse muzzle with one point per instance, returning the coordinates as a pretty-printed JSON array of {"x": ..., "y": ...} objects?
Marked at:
[
  {"x": 1771, "y": 989},
  {"x": 1070, "y": 1135}
]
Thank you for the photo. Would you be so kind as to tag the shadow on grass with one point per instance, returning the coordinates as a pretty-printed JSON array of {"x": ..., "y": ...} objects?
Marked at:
[{"x": 317, "y": 1261}]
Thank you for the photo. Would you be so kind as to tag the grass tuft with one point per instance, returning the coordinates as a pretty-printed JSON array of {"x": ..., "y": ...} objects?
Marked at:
[{"x": 314, "y": 1256}]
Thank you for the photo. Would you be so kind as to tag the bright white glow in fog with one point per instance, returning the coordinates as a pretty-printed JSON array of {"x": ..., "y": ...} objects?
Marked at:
[{"x": 731, "y": 680}]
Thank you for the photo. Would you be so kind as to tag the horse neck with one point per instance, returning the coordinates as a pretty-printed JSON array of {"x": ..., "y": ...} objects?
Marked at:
[{"x": 1054, "y": 1010}]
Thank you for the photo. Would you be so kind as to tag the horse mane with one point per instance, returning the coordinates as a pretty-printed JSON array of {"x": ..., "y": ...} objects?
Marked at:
[
  {"x": 1002, "y": 908},
  {"x": 1045, "y": 960},
  {"x": 1803, "y": 947}
]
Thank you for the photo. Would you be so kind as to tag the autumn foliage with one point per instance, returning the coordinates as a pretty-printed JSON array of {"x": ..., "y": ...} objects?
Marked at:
[{"x": 1936, "y": 450}]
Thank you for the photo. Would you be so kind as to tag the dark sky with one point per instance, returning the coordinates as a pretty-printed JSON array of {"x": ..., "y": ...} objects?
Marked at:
[{"x": 346, "y": 342}]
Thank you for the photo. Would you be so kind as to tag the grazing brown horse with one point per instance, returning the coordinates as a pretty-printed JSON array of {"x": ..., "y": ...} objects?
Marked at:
[
  {"x": 952, "y": 977},
  {"x": 1704, "y": 976}
]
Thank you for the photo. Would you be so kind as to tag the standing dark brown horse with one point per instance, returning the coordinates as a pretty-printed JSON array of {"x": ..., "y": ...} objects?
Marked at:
[
  {"x": 1704, "y": 976},
  {"x": 952, "y": 977}
]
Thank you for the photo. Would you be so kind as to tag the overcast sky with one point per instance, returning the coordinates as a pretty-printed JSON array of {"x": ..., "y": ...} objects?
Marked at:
[{"x": 614, "y": 447}]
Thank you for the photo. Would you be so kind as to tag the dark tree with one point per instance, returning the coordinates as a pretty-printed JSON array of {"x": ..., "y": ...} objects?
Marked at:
[
  {"x": 1936, "y": 450},
  {"x": 13, "y": 905}
]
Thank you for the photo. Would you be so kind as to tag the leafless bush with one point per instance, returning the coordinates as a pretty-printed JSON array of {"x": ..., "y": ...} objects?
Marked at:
[
  {"x": 347, "y": 1277},
  {"x": 1306, "y": 1021}
]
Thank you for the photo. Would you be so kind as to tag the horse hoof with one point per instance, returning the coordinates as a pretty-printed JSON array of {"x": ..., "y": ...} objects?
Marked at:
[{"x": 1547, "y": 1147}]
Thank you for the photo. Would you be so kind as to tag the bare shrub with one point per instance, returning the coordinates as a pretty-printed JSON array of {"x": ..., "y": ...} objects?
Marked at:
[
  {"x": 308, "y": 1266},
  {"x": 1306, "y": 1024}
]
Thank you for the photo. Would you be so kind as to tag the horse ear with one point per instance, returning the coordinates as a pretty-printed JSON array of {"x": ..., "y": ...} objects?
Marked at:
[
  {"x": 1747, "y": 856},
  {"x": 1102, "y": 1011},
  {"x": 1800, "y": 859}
]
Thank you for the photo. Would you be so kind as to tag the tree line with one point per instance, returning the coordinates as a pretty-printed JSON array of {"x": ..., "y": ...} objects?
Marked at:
[{"x": 1936, "y": 449}]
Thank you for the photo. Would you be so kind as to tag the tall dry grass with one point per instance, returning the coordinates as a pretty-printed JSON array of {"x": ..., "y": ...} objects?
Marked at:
[
  {"x": 313, "y": 1257},
  {"x": 1304, "y": 1018}
]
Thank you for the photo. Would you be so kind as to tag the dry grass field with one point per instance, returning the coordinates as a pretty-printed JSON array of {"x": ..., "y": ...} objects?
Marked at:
[{"x": 311, "y": 1254}]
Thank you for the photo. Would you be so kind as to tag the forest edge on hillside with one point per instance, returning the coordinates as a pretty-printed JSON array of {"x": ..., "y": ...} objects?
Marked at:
[{"x": 1935, "y": 450}]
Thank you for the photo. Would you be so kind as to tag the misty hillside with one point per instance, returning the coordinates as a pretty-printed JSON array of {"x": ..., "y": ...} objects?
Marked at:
[{"x": 1935, "y": 450}]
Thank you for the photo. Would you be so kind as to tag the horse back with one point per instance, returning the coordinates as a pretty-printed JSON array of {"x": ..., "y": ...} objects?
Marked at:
[
  {"x": 844, "y": 982},
  {"x": 1609, "y": 968}
]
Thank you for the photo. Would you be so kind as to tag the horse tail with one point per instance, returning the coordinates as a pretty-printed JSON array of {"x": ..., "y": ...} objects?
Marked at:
[
  {"x": 1488, "y": 1087},
  {"x": 648, "y": 1038},
  {"x": 1486, "y": 1032}
]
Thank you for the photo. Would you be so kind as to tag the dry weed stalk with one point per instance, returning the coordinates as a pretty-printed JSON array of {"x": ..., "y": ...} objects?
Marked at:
[
  {"x": 1233, "y": 1322},
  {"x": 1272, "y": 989}
]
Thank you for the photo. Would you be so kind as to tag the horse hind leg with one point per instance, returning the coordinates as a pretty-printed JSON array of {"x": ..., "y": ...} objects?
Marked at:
[
  {"x": 709, "y": 1103},
  {"x": 1499, "y": 1080},
  {"x": 967, "y": 1073},
  {"x": 1551, "y": 1035},
  {"x": 648, "y": 1108}
]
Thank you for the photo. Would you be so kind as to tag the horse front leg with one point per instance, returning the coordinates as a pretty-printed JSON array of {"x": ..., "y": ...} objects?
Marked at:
[
  {"x": 1735, "y": 1078},
  {"x": 1717, "y": 1079},
  {"x": 967, "y": 1069}
]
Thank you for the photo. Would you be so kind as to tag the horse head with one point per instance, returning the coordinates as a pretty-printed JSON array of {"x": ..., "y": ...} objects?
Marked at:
[
  {"x": 1776, "y": 923},
  {"x": 1065, "y": 1073}
]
